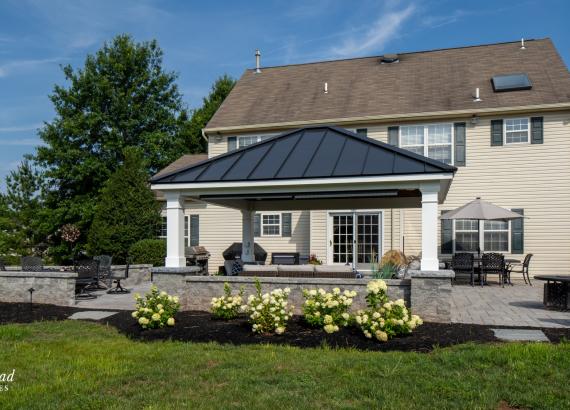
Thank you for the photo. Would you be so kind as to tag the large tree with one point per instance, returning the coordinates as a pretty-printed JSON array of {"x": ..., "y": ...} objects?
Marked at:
[
  {"x": 121, "y": 97},
  {"x": 21, "y": 211},
  {"x": 127, "y": 211},
  {"x": 200, "y": 116}
]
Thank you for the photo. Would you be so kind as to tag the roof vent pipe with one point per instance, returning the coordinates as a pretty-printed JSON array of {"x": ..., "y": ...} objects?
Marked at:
[
  {"x": 326, "y": 88},
  {"x": 522, "y": 44},
  {"x": 257, "y": 61},
  {"x": 476, "y": 96}
]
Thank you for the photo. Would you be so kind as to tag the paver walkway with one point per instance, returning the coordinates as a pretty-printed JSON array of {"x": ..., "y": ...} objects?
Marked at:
[
  {"x": 120, "y": 301},
  {"x": 517, "y": 305}
]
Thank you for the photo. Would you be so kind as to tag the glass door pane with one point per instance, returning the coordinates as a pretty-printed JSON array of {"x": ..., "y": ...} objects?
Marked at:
[
  {"x": 367, "y": 240},
  {"x": 343, "y": 238}
]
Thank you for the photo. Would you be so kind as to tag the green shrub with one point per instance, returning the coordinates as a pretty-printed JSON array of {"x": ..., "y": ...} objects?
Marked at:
[
  {"x": 384, "y": 319},
  {"x": 328, "y": 310},
  {"x": 11, "y": 260},
  {"x": 156, "y": 309},
  {"x": 227, "y": 306},
  {"x": 148, "y": 251}
]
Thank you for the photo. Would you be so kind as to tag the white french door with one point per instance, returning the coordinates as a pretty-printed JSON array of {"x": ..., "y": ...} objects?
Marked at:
[{"x": 355, "y": 238}]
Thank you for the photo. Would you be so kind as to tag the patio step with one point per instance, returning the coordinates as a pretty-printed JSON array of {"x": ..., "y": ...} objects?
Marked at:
[
  {"x": 92, "y": 315},
  {"x": 520, "y": 335}
]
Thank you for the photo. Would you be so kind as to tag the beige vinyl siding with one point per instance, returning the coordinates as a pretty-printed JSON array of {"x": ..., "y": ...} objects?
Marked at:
[
  {"x": 535, "y": 177},
  {"x": 220, "y": 227}
]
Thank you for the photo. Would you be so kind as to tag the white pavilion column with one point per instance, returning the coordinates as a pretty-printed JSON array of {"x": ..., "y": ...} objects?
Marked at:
[
  {"x": 174, "y": 230},
  {"x": 247, "y": 241},
  {"x": 430, "y": 260}
]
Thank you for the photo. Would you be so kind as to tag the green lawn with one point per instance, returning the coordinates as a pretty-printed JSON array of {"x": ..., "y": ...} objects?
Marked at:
[{"x": 84, "y": 365}]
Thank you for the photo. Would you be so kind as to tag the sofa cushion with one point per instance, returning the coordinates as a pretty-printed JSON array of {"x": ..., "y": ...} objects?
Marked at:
[
  {"x": 332, "y": 268},
  {"x": 296, "y": 268},
  {"x": 260, "y": 268}
]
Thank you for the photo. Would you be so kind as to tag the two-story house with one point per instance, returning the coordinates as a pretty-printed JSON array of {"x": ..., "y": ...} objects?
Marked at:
[{"x": 499, "y": 114}]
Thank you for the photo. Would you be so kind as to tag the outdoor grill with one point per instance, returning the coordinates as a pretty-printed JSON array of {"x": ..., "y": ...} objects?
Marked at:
[
  {"x": 197, "y": 256},
  {"x": 234, "y": 252}
]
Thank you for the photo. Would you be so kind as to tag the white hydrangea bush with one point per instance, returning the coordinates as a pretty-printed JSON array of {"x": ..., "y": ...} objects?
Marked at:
[
  {"x": 269, "y": 312},
  {"x": 156, "y": 309},
  {"x": 384, "y": 319},
  {"x": 328, "y": 310},
  {"x": 227, "y": 306}
]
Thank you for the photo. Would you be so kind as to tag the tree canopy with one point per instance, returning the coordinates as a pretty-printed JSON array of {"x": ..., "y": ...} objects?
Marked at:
[
  {"x": 127, "y": 211},
  {"x": 121, "y": 97}
]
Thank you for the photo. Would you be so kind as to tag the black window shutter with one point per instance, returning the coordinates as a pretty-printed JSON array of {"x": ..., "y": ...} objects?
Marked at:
[
  {"x": 362, "y": 132},
  {"x": 496, "y": 132},
  {"x": 393, "y": 135},
  {"x": 536, "y": 130},
  {"x": 232, "y": 143},
  {"x": 257, "y": 225},
  {"x": 194, "y": 230},
  {"x": 460, "y": 144},
  {"x": 286, "y": 225},
  {"x": 446, "y": 235},
  {"x": 517, "y": 233}
]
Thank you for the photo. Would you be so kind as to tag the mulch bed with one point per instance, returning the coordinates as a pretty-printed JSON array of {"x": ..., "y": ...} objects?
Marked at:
[{"x": 194, "y": 326}]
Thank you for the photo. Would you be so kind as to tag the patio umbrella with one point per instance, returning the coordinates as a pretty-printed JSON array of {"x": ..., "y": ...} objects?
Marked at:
[{"x": 481, "y": 210}]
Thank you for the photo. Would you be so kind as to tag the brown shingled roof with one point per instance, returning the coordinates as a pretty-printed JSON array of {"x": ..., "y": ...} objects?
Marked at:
[
  {"x": 429, "y": 81},
  {"x": 182, "y": 162}
]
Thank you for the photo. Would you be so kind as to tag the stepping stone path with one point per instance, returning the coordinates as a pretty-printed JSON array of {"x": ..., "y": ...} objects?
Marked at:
[
  {"x": 526, "y": 335},
  {"x": 91, "y": 315}
]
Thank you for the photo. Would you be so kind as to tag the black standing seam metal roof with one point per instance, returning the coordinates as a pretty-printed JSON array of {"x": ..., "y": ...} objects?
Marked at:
[{"x": 313, "y": 152}]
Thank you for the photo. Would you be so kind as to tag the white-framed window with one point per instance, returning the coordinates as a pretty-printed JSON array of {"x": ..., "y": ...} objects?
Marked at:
[
  {"x": 434, "y": 141},
  {"x": 163, "y": 233},
  {"x": 270, "y": 224},
  {"x": 466, "y": 235},
  {"x": 486, "y": 236},
  {"x": 517, "y": 131},
  {"x": 163, "y": 228},
  {"x": 246, "y": 140},
  {"x": 496, "y": 236}
]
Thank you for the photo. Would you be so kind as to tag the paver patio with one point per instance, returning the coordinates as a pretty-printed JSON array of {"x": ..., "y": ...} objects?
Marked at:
[
  {"x": 120, "y": 301},
  {"x": 517, "y": 305}
]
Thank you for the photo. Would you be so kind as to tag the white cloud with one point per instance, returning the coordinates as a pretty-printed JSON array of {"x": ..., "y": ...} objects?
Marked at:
[
  {"x": 28, "y": 142},
  {"x": 20, "y": 128},
  {"x": 383, "y": 30},
  {"x": 17, "y": 65}
]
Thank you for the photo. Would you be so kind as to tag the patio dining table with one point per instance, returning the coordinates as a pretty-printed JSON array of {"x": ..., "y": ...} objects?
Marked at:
[{"x": 477, "y": 259}]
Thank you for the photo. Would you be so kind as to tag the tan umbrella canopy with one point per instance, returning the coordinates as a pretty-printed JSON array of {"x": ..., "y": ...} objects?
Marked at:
[{"x": 479, "y": 209}]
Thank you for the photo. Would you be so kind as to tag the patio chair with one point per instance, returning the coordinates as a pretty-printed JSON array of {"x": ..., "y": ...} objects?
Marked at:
[
  {"x": 522, "y": 268},
  {"x": 116, "y": 278},
  {"x": 105, "y": 262},
  {"x": 494, "y": 264},
  {"x": 87, "y": 278},
  {"x": 32, "y": 264},
  {"x": 462, "y": 263},
  {"x": 2, "y": 265}
]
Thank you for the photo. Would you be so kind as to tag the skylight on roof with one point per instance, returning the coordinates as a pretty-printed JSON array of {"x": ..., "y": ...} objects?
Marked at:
[{"x": 511, "y": 82}]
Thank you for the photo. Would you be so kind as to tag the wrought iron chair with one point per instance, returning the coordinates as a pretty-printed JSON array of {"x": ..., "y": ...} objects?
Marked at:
[
  {"x": 32, "y": 264},
  {"x": 87, "y": 278},
  {"x": 2, "y": 265},
  {"x": 105, "y": 262},
  {"x": 116, "y": 278},
  {"x": 494, "y": 264},
  {"x": 522, "y": 268},
  {"x": 462, "y": 263}
]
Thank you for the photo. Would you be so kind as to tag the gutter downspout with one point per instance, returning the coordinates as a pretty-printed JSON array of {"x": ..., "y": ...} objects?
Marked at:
[{"x": 204, "y": 134}]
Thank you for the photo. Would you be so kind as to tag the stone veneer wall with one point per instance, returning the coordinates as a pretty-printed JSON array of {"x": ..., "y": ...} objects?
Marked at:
[
  {"x": 56, "y": 288},
  {"x": 428, "y": 293}
]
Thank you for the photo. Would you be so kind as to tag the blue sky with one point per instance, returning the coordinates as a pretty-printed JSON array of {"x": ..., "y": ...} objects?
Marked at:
[{"x": 205, "y": 39}]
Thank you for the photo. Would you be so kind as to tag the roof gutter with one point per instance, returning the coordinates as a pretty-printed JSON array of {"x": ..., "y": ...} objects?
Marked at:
[
  {"x": 391, "y": 117},
  {"x": 204, "y": 134}
]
